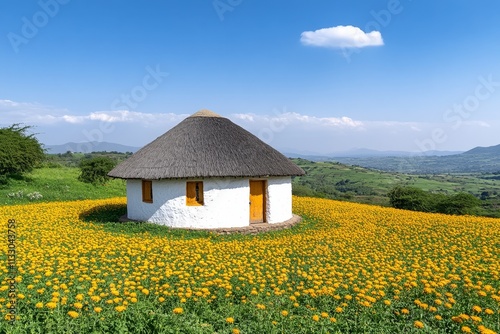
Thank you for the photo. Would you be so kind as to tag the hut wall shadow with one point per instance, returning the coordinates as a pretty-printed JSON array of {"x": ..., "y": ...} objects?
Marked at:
[{"x": 110, "y": 213}]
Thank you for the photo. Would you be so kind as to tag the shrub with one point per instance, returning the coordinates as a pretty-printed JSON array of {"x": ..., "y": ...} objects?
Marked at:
[
  {"x": 459, "y": 204},
  {"x": 4, "y": 180},
  {"x": 95, "y": 170},
  {"x": 415, "y": 199},
  {"x": 302, "y": 190},
  {"x": 410, "y": 198}
]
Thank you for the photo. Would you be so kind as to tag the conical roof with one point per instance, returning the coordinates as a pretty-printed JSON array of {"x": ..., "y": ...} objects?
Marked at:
[{"x": 205, "y": 145}]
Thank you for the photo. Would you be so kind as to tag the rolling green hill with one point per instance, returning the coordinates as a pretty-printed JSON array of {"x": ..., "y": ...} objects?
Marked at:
[{"x": 359, "y": 184}]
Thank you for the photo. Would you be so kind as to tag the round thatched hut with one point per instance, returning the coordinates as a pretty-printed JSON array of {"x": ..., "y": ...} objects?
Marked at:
[{"x": 207, "y": 172}]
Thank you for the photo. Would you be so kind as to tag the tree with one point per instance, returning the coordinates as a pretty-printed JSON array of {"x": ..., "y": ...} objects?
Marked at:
[
  {"x": 20, "y": 152},
  {"x": 95, "y": 170},
  {"x": 410, "y": 198},
  {"x": 459, "y": 204}
]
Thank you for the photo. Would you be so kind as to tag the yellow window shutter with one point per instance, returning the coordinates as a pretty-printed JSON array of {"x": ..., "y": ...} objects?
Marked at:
[
  {"x": 194, "y": 193},
  {"x": 147, "y": 191}
]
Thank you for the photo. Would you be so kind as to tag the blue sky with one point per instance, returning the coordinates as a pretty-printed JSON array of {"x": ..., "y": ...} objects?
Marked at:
[{"x": 304, "y": 76}]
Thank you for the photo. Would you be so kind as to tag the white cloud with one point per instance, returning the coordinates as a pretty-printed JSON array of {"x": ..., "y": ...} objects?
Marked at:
[
  {"x": 282, "y": 129},
  {"x": 478, "y": 123},
  {"x": 27, "y": 112},
  {"x": 285, "y": 118},
  {"x": 341, "y": 37},
  {"x": 71, "y": 119},
  {"x": 34, "y": 113}
]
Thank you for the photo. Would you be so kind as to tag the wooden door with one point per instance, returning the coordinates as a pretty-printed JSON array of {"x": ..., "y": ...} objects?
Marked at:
[{"x": 257, "y": 201}]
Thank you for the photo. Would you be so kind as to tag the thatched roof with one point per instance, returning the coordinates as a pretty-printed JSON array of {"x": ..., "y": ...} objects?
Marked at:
[{"x": 205, "y": 145}]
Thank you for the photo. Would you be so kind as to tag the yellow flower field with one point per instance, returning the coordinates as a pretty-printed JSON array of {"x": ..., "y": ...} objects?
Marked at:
[{"x": 346, "y": 268}]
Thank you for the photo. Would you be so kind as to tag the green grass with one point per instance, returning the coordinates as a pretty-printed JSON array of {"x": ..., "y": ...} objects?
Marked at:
[{"x": 56, "y": 184}]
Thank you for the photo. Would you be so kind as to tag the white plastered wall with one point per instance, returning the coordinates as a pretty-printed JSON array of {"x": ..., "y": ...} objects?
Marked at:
[
  {"x": 279, "y": 199},
  {"x": 226, "y": 203}
]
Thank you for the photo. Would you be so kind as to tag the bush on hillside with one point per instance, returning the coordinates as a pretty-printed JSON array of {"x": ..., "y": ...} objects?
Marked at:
[
  {"x": 410, "y": 198},
  {"x": 95, "y": 170},
  {"x": 303, "y": 190},
  {"x": 415, "y": 199},
  {"x": 459, "y": 204}
]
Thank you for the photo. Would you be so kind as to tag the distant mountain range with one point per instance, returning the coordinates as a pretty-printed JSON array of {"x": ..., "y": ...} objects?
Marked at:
[
  {"x": 493, "y": 150},
  {"x": 368, "y": 153},
  {"x": 89, "y": 147},
  {"x": 476, "y": 160}
]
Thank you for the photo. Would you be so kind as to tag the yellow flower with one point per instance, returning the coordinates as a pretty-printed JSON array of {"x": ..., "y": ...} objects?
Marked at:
[
  {"x": 332, "y": 319},
  {"x": 97, "y": 309},
  {"x": 73, "y": 314},
  {"x": 79, "y": 296},
  {"x": 339, "y": 310},
  {"x": 438, "y": 317},
  {"x": 476, "y": 318},
  {"x": 51, "y": 305},
  {"x": 284, "y": 313},
  {"x": 489, "y": 311},
  {"x": 120, "y": 308},
  {"x": 78, "y": 305},
  {"x": 178, "y": 310},
  {"x": 230, "y": 320},
  {"x": 324, "y": 315},
  {"x": 418, "y": 324},
  {"x": 315, "y": 317},
  {"x": 39, "y": 305},
  {"x": 235, "y": 331},
  {"x": 477, "y": 309},
  {"x": 405, "y": 311}
]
